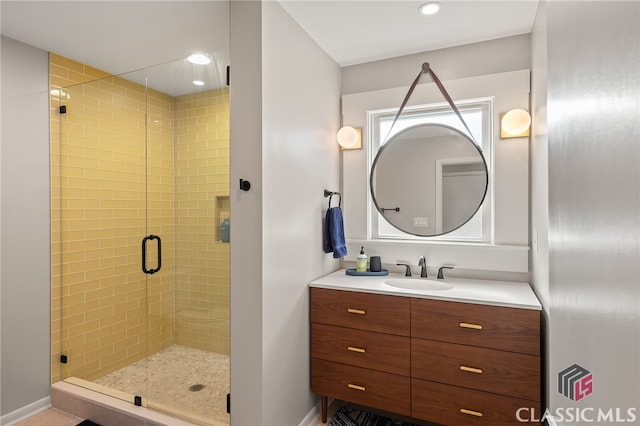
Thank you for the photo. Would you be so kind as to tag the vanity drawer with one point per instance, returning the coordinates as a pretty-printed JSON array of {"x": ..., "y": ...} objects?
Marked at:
[
  {"x": 496, "y": 327},
  {"x": 387, "y": 392},
  {"x": 367, "y": 349},
  {"x": 453, "y": 406},
  {"x": 505, "y": 373},
  {"x": 364, "y": 311}
]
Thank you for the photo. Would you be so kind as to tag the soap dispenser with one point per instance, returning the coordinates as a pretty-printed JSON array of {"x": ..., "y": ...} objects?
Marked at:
[{"x": 361, "y": 261}]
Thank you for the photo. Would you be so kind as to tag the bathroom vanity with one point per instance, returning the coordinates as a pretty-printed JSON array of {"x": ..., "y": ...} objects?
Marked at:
[{"x": 453, "y": 351}]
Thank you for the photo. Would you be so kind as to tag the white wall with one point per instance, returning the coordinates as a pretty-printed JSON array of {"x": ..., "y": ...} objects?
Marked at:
[
  {"x": 591, "y": 129},
  {"x": 508, "y": 257},
  {"x": 301, "y": 87},
  {"x": 539, "y": 158},
  {"x": 245, "y": 93},
  {"x": 25, "y": 226},
  {"x": 487, "y": 57},
  {"x": 284, "y": 114},
  {"x": 539, "y": 189}
]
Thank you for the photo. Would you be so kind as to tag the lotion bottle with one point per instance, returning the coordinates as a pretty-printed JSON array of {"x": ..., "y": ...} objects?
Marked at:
[
  {"x": 224, "y": 230},
  {"x": 361, "y": 261}
]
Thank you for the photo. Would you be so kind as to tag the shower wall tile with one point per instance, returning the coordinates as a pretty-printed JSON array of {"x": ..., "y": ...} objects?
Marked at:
[{"x": 202, "y": 260}]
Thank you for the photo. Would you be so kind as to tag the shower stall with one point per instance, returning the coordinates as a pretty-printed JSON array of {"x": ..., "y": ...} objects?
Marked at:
[{"x": 140, "y": 276}]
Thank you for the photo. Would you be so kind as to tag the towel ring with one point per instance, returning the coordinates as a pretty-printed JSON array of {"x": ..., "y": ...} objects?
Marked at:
[{"x": 330, "y": 194}]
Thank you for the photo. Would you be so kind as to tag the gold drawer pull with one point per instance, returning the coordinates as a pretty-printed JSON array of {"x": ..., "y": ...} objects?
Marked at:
[
  {"x": 471, "y": 369},
  {"x": 354, "y": 349},
  {"x": 472, "y": 326},
  {"x": 356, "y": 311},
  {"x": 356, "y": 387},
  {"x": 471, "y": 412}
]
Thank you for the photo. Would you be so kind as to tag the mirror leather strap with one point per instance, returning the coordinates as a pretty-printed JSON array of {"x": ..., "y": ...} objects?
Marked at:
[{"x": 427, "y": 69}]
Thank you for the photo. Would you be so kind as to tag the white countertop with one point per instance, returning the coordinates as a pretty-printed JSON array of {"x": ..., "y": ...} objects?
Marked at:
[{"x": 497, "y": 293}]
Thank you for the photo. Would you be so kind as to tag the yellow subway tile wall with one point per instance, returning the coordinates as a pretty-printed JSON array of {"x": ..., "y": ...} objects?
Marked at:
[
  {"x": 202, "y": 188},
  {"x": 115, "y": 179}
]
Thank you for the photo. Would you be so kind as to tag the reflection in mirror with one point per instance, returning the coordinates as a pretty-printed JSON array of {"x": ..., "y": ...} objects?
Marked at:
[{"x": 428, "y": 179}]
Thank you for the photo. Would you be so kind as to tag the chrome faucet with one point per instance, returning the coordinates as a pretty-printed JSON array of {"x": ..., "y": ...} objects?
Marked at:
[
  {"x": 407, "y": 271},
  {"x": 440, "y": 273},
  {"x": 423, "y": 263}
]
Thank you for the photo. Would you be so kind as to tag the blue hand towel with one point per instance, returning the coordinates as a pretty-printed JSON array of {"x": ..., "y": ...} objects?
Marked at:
[
  {"x": 333, "y": 238},
  {"x": 327, "y": 247}
]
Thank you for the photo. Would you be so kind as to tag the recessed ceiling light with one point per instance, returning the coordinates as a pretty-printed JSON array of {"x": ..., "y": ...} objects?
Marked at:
[
  {"x": 430, "y": 8},
  {"x": 198, "y": 82},
  {"x": 198, "y": 58}
]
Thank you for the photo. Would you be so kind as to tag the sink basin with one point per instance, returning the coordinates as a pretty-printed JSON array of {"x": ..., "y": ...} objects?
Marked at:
[{"x": 418, "y": 284}]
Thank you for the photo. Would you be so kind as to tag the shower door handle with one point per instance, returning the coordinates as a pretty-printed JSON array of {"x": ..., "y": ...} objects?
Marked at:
[{"x": 144, "y": 254}]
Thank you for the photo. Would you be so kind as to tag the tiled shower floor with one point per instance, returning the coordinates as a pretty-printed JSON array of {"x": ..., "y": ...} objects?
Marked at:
[{"x": 174, "y": 376}]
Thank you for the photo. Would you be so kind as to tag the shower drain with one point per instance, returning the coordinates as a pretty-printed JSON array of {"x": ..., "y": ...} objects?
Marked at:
[{"x": 196, "y": 388}]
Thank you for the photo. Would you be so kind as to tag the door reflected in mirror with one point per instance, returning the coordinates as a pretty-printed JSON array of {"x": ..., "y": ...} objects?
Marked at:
[{"x": 428, "y": 180}]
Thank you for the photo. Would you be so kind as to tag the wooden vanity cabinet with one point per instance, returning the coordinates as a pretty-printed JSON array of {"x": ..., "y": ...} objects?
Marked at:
[
  {"x": 360, "y": 349},
  {"x": 496, "y": 327},
  {"x": 445, "y": 362},
  {"x": 473, "y": 364},
  {"x": 362, "y": 311}
]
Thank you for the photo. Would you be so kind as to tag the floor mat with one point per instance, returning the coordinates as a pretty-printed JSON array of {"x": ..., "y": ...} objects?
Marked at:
[{"x": 347, "y": 416}]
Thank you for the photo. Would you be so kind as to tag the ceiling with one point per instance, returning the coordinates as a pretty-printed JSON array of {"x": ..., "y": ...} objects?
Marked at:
[
  {"x": 358, "y": 31},
  {"x": 118, "y": 36},
  {"x": 122, "y": 36}
]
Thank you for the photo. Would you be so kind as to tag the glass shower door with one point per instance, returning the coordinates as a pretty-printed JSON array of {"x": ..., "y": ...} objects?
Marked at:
[
  {"x": 99, "y": 191},
  {"x": 187, "y": 193}
]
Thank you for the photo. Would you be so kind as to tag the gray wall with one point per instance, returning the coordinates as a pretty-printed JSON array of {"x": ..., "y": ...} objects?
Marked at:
[
  {"x": 539, "y": 166},
  {"x": 301, "y": 92},
  {"x": 487, "y": 57},
  {"x": 591, "y": 130},
  {"x": 25, "y": 225},
  {"x": 246, "y": 207},
  {"x": 285, "y": 95}
]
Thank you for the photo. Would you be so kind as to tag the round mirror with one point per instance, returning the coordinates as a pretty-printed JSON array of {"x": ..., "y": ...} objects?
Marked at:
[{"x": 428, "y": 180}]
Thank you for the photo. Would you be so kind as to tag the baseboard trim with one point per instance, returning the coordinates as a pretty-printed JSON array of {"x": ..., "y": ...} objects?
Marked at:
[
  {"x": 26, "y": 411},
  {"x": 312, "y": 416}
]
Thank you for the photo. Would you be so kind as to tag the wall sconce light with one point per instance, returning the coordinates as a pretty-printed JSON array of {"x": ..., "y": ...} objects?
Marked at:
[
  {"x": 515, "y": 124},
  {"x": 349, "y": 138}
]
